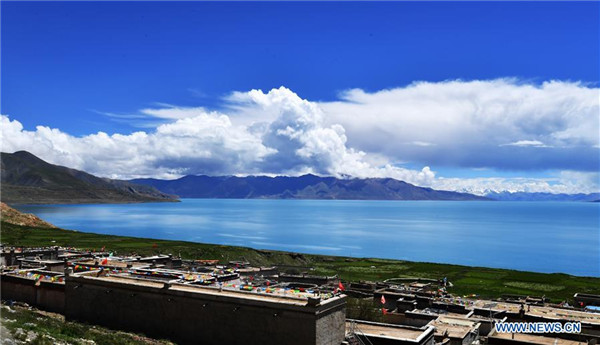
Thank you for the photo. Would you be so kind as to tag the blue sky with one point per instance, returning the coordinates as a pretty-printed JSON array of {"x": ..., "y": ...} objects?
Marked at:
[{"x": 81, "y": 68}]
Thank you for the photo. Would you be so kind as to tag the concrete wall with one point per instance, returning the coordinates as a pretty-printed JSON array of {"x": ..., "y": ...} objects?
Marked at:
[
  {"x": 47, "y": 296},
  {"x": 586, "y": 299},
  {"x": 418, "y": 319},
  {"x": 306, "y": 278},
  {"x": 199, "y": 318},
  {"x": 403, "y": 305},
  {"x": 394, "y": 318},
  {"x": 331, "y": 325},
  {"x": 452, "y": 308}
]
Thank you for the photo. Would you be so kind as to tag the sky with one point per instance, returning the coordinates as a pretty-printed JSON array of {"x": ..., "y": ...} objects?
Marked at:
[{"x": 464, "y": 96}]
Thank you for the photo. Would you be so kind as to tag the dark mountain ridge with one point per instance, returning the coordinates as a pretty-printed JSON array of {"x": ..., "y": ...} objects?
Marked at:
[
  {"x": 28, "y": 179},
  {"x": 301, "y": 187}
]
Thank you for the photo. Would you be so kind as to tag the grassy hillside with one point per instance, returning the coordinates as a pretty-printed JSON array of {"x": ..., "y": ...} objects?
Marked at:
[
  {"x": 26, "y": 325},
  {"x": 12, "y": 216},
  {"x": 486, "y": 282}
]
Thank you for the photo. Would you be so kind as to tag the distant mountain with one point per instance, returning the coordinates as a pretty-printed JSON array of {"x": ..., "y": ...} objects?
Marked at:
[
  {"x": 522, "y": 196},
  {"x": 28, "y": 179},
  {"x": 302, "y": 187}
]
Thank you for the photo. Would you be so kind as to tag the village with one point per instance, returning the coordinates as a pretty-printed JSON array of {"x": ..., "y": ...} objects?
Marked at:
[{"x": 210, "y": 302}]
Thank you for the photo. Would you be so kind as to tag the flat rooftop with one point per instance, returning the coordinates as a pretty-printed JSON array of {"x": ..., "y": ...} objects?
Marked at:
[
  {"x": 453, "y": 327},
  {"x": 384, "y": 330},
  {"x": 558, "y": 313},
  {"x": 535, "y": 339},
  {"x": 111, "y": 263},
  {"x": 274, "y": 295},
  {"x": 539, "y": 311},
  {"x": 434, "y": 311}
]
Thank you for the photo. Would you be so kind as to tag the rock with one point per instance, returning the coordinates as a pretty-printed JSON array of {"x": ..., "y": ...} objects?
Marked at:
[{"x": 5, "y": 337}]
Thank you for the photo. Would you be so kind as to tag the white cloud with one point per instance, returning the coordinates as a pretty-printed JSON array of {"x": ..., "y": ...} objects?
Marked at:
[
  {"x": 173, "y": 113},
  {"x": 469, "y": 123},
  {"x": 477, "y": 124},
  {"x": 525, "y": 143},
  {"x": 422, "y": 143},
  {"x": 568, "y": 182},
  {"x": 207, "y": 143}
]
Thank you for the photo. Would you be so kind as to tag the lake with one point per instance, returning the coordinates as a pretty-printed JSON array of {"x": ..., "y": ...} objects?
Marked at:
[{"x": 532, "y": 236}]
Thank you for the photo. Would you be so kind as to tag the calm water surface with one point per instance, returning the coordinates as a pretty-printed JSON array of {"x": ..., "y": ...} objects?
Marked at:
[{"x": 532, "y": 236}]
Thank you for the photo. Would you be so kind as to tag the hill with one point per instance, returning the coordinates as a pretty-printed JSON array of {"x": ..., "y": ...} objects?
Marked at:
[
  {"x": 302, "y": 187},
  {"x": 523, "y": 196},
  {"x": 12, "y": 216},
  {"x": 28, "y": 179}
]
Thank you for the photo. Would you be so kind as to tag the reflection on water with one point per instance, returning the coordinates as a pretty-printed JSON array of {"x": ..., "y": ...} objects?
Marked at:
[{"x": 534, "y": 236}]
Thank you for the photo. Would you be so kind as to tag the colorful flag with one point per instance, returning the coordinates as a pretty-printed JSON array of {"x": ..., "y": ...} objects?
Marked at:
[{"x": 382, "y": 299}]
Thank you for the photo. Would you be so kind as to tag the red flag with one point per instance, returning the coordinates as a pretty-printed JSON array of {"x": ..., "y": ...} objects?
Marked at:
[
  {"x": 105, "y": 261},
  {"x": 382, "y": 299},
  {"x": 384, "y": 311},
  {"x": 268, "y": 283},
  {"x": 341, "y": 286}
]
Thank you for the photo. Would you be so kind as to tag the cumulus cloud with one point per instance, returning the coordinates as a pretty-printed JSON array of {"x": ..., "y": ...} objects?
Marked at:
[
  {"x": 206, "y": 143},
  {"x": 460, "y": 124},
  {"x": 501, "y": 124}
]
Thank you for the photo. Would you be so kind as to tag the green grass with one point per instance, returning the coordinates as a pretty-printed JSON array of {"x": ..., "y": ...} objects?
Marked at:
[
  {"x": 486, "y": 282},
  {"x": 48, "y": 328}
]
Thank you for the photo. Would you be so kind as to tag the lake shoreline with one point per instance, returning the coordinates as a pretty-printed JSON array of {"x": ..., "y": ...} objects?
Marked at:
[
  {"x": 477, "y": 233},
  {"x": 483, "y": 281}
]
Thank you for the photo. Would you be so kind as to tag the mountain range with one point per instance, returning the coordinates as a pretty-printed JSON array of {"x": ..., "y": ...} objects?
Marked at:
[
  {"x": 523, "y": 196},
  {"x": 302, "y": 187},
  {"x": 26, "y": 179}
]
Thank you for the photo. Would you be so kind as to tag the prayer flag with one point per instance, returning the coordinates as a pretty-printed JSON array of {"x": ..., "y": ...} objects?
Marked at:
[
  {"x": 341, "y": 286},
  {"x": 382, "y": 299},
  {"x": 105, "y": 261}
]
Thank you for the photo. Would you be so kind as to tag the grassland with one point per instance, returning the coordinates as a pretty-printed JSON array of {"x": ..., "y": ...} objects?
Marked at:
[
  {"x": 486, "y": 282},
  {"x": 29, "y": 325}
]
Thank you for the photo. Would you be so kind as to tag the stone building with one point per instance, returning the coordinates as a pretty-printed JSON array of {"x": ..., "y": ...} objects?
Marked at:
[{"x": 191, "y": 314}]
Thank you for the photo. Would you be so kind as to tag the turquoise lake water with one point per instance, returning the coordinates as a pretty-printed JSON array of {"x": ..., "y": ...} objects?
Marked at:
[{"x": 533, "y": 236}]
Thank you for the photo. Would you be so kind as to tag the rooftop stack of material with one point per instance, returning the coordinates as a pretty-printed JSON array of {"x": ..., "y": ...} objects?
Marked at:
[{"x": 455, "y": 330}]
